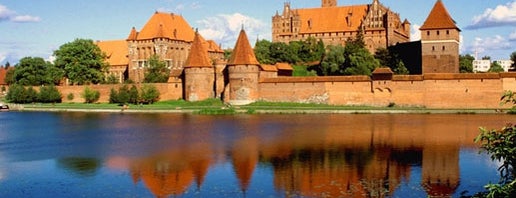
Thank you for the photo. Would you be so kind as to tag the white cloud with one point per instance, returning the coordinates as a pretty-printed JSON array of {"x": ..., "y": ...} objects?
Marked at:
[
  {"x": 512, "y": 36},
  {"x": 497, "y": 42},
  {"x": 12, "y": 16},
  {"x": 25, "y": 19},
  {"x": 179, "y": 7},
  {"x": 3, "y": 56},
  {"x": 415, "y": 34},
  {"x": 224, "y": 28},
  {"x": 502, "y": 15}
]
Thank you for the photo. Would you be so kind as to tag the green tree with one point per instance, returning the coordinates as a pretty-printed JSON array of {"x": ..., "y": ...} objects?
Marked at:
[
  {"x": 501, "y": 145},
  {"x": 111, "y": 79},
  {"x": 90, "y": 95},
  {"x": 466, "y": 63},
  {"x": 149, "y": 94},
  {"x": 16, "y": 94},
  {"x": 513, "y": 59},
  {"x": 36, "y": 71},
  {"x": 333, "y": 61},
  {"x": 281, "y": 52},
  {"x": 262, "y": 52},
  {"x": 157, "y": 72},
  {"x": 113, "y": 96},
  {"x": 227, "y": 53},
  {"x": 495, "y": 68},
  {"x": 82, "y": 61},
  {"x": 390, "y": 59},
  {"x": 49, "y": 94},
  {"x": 9, "y": 76},
  {"x": 311, "y": 50},
  {"x": 486, "y": 58},
  {"x": 133, "y": 95},
  {"x": 359, "y": 60}
]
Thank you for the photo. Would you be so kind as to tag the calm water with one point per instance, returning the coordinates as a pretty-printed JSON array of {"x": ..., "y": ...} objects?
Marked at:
[{"x": 155, "y": 155}]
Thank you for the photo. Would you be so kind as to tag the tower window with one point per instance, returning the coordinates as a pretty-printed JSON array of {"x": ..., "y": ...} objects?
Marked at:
[
  {"x": 447, "y": 32},
  {"x": 433, "y": 48},
  {"x": 444, "y": 48},
  {"x": 437, "y": 32},
  {"x": 428, "y": 33}
]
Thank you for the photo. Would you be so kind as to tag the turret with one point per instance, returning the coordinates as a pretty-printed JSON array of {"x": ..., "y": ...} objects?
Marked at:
[
  {"x": 199, "y": 72},
  {"x": 243, "y": 69}
]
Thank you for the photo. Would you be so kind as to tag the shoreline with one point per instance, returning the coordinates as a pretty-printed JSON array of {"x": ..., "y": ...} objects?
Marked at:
[{"x": 272, "y": 111}]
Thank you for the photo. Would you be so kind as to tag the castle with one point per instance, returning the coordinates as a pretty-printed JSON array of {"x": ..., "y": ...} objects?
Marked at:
[{"x": 199, "y": 72}]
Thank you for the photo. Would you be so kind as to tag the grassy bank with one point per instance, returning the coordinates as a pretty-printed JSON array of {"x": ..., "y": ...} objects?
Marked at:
[{"x": 217, "y": 107}]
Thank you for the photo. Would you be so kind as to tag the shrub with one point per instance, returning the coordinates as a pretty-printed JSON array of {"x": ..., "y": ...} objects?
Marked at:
[
  {"x": 113, "y": 96},
  {"x": 49, "y": 94},
  {"x": 70, "y": 96},
  {"x": 16, "y": 94},
  {"x": 149, "y": 94},
  {"x": 133, "y": 95},
  {"x": 90, "y": 96},
  {"x": 32, "y": 95}
]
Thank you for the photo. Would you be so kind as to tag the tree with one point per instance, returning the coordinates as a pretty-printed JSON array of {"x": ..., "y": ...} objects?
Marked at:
[
  {"x": 391, "y": 59},
  {"x": 333, "y": 61},
  {"x": 90, "y": 95},
  {"x": 82, "y": 62},
  {"x": 486, "y": 58},
  {"x": 466, "y": 63},
  {"x": 149, "y": 94},
  {"x": 16, "y": 94},
  {"x": 359, "y": 60},
  {"x": 501, "y": 145},
  {"x": 281, "y": 52},
  {"x": 49, "y": 94},
  {"x": 157, "y": 72},
  {"x": 311, "y": 50},
  {"x": 262, "y": 52},
  {"x": 9, "y": 76},
  {"x": 495, "y": 68},
  {"x": 35, "y": 71},
  {"x": 513, "y": 59},
  {"x": 133, "y": 95}
]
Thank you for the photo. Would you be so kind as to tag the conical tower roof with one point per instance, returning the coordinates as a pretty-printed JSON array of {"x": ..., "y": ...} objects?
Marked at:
[
  {"x": 198, "y": 56},
  {"x": 133, "y": 35},
  {"x": 439, "y": 18},
  {"x": 243, "y": 53}
]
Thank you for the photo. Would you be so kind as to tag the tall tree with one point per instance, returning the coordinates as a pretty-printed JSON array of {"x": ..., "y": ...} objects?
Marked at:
[
  {"x": 34, "y": 71},
  {"x": 262, "y": 52},
  {"x": 513, "y": 59},
  {"x": 157, "y": 72},
  {"x": 391, "y": 59},
  {"x": 82, "y": 61},
  {"x": 466, "y": 63},
  {"x": 495, "y": 68},
  {"x": 333, "y": 61}
]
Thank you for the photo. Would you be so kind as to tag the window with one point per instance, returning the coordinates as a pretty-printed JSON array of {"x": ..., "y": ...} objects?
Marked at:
[
  {"x": 447, "y": 32},
  {"x": 433, "y": 48},
  {"x": 428, "y": 33},
  {"x": 437, "y": 32},
  {"x": 444, "y": 48}
]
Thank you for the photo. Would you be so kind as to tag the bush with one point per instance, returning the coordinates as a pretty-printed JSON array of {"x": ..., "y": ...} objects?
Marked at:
[
  {"x": 49, "y": 94},
  {"x": 149, "y": 94},
  {"x": 70, "y": 96},
  {"x": 32, "y": 95},
  {"x": 90, "y": 96},
  {"x": 16, "y": 94},
  {"x": 113, "y": 96},
  {"x": 133, "y": 95}
]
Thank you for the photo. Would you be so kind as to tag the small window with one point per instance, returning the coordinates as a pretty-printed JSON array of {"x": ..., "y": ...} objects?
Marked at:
[
  {"x": 428, "y": 33},
  {"x": 437, "y": 32},
  {"x": 444, "y": 48},
  {"x": 433, "y": 48},
  {"x": 447, "y": 32}
]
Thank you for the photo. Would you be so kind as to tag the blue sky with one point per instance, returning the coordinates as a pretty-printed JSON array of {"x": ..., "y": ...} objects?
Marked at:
[{"x": 37, "y": 28}]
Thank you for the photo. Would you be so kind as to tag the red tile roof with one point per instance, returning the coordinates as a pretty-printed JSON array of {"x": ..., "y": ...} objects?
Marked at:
[
  {"x": 332, "y": 19},
  {"x": 116, "y": 52},
  {"x": 439, "y": 18},
  {"x": 243, "y": 53},
  {"x": 198, "y": 56},
  {"x": 166, "y": 25},
  {"x": 3, "y": 73}
]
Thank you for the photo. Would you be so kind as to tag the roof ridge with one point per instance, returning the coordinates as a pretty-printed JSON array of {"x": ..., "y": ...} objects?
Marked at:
[
  {"x": 243, "y": 53},
  {"x": 439, "y": 18},
  {"x": 198, "y": 56}
]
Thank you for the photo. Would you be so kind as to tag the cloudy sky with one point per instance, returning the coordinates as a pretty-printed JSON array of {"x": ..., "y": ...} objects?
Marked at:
[{"x": 37, "y": 28}]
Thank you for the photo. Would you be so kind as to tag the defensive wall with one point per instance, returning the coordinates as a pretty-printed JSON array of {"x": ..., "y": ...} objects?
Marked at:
[
  {"x": 429, "y": 90},
  {"x": 466, "y": 91}
]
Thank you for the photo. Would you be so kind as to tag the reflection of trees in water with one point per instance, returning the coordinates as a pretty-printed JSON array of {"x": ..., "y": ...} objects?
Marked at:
[{"x": 81, "y": 166}]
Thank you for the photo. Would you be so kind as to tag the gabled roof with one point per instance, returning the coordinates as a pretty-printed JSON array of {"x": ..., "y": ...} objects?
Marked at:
[
  {"x": 439, "y": 18},
  {"x": 284, "y": 66},
  {"x": 332, "y": 19},
  {"x": 198, "y": 56},
  {"x": 212, "y": 46},
  {"x": 167, "y": 25},
  {"x": 243, "y": 53},
  {"x": 116, "y": 52},
  {"x": 270, "y": 68}
]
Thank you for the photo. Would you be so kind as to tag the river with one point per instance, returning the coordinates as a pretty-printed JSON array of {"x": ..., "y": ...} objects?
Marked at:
[{"x": 48, "y": 154}]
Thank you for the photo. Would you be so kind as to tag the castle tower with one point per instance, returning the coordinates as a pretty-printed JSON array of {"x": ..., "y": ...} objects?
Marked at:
[
  {"x": 243, "y": 69},
  {"x": 329, "y": 3},
  {"x": 199, "y": 72},
  {"x": 440, "y": 39}
]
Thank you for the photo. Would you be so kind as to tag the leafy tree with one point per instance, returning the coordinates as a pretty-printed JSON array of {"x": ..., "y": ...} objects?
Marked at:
[
  {"x": 82, "y": 61},
  {"x": 36, "y": 71},
  {"x": 113, "y": 96},
  {"x": 111, "y": 79},
  {"x": 281, "y": 52},
  {"x": 149, "y": 94},
  {"x": 49, "y": 94},
  {"x": 262, "y": 52},
  {"x": 333, "y": 61},
  {"x": 90, "y": 95},
  {"x": 32, "y": 95},
  {"x": 495, "y": 68},
  {"x": 227, "y": 53},
  {"x": 311, "y": 50},
  {"x": 513, "y": 59},
  {"x": 16, "y": 94},
  {"x": 501, "y": 145},
  {"x": 466, "y": 63},
  {"x": 7, "y": 65},
  {"x": 157, "y": 71},
  {"x": 391, "y": 60},
  {"x": 133, "y": 95},
  {"x": 359, "y": 62},
  {"x": 9, "y": 76},
  {"x": 486, "y": 58}
]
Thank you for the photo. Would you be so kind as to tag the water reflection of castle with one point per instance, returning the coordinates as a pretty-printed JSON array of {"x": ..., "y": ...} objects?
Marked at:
[{"x": 344, "y": 159}]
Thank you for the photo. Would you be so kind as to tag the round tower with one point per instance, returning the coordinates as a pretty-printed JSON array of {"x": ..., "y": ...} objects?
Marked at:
[
  {"x": 243, "y": 72},
  {"x": 199, "y": 73}
]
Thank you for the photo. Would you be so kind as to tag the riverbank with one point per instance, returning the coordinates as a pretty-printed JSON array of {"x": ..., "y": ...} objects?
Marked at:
[{"x": 260, "y": 108}]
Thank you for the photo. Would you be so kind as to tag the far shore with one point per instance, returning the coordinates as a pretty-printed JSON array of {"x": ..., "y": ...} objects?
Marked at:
[{"x": 273, "y": 109}]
